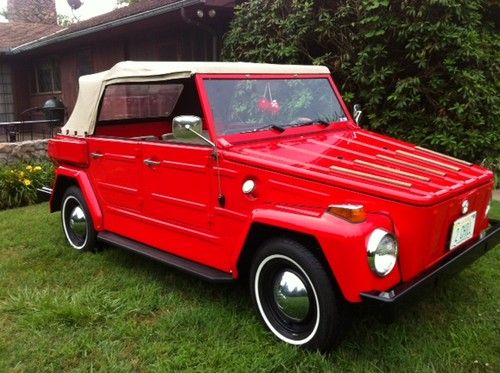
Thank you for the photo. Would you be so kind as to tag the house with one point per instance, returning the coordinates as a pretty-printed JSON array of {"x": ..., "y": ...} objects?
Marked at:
[{"x": 40, "y": 60}]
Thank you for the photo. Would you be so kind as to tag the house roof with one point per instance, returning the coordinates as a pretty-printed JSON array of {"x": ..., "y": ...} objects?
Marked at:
[
  {"x": 13, "y": 34},
  {"x": 83, "y": 117},
  {"x": 119, "y": 13},
  {"x": 118, "y": 17}
]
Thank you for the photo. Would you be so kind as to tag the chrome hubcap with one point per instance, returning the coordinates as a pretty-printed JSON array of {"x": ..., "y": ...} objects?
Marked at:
[
  {"x": 290, "y": 294},
  {"x": 78, "y": 222}
]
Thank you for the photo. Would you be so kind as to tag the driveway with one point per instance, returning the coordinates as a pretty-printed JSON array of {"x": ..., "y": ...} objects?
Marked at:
[{"x": 496, "y": 194}]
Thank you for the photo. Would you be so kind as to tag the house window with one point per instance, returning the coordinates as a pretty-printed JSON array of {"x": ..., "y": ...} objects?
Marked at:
[
  {"x": 6, "y": 97},
  {"x": 84, "y": 61},
  {"x": 46, "y": 77}
]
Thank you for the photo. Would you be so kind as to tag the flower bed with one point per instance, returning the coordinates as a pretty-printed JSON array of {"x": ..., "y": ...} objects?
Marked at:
[{"x": 19, "y": 183}]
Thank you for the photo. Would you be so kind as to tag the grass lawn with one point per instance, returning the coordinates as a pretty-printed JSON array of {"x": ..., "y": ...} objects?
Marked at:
[{"x": 115, "y": 311}]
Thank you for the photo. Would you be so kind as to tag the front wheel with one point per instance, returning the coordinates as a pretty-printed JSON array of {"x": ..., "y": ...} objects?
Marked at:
[
  {"x": 76, "y": 221},
  {"x": 295, "y": 296}
]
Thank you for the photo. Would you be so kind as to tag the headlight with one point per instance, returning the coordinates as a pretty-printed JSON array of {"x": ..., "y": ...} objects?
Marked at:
[{"x": 382, "y": 252}]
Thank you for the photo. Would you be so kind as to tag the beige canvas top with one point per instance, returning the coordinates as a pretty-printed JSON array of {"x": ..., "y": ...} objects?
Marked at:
[{"x": 83, "y": 118}]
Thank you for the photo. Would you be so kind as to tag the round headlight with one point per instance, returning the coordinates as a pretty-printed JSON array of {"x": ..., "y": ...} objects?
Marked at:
[{"x": 382, "y": 252}]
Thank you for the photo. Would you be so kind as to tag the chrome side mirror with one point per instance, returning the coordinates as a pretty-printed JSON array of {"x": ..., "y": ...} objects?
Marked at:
[
  {"x": 188, "y": 127},
  {"x": 356, "y": 112}
]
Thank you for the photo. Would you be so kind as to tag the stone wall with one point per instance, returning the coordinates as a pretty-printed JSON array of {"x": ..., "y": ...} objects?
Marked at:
[{"x": 26, "y": 151}]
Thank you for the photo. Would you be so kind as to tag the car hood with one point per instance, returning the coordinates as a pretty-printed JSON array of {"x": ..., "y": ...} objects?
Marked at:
[{"x": 367, "y": 162}]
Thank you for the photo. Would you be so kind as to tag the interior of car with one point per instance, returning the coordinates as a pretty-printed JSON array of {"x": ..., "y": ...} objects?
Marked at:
[{"x": 145, "y": 111}]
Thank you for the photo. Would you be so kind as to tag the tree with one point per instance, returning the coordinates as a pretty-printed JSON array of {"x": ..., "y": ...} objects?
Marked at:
[
  {"x": 424, "y": 70},
  {"x": 3, "y": 13},
  {"x": 66, "y": 21}
]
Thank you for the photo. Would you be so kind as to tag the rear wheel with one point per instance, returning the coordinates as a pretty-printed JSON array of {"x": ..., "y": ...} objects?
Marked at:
[
  {"x": 76, "y": 221},
  {"x": 295, "y": 296}
]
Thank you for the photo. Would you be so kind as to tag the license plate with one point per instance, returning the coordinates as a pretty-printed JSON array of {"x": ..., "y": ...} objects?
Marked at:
[{"x": 463, "y": 229}]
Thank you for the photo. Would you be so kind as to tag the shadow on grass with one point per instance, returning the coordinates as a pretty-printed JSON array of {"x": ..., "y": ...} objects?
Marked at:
[
  {"x": 410, "y": 325},
  {"x": 170, "y": 278}
]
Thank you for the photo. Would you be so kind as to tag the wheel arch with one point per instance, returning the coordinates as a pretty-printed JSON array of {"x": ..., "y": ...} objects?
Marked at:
[
  {"x": 67, "y": 177},
  {"x": 261, "y": 232},
  {"x": 61, "y": 183}
]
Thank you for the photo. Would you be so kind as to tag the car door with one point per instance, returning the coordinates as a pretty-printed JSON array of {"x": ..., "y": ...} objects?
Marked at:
[
  {"x": 128, "y": 114},
  {"x": 179, "y": 195},
  {"x": 116, "y": 174}
]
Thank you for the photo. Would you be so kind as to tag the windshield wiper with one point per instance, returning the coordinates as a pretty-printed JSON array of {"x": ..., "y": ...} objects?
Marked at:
[
  {"x": 309, "y": 122},
  {"x": 267, "y": 126},
  {"x": 280, "y": 129}
]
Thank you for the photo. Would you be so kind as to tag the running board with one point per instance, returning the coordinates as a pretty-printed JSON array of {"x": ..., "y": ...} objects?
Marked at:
[{"x": 199, "y": 270}]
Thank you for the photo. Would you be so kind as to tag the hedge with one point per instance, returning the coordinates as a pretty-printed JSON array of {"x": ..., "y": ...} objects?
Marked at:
[{"x": 425, "y": 71}]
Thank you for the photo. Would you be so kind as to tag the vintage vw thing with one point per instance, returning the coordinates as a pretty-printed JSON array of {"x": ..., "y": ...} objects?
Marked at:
[{"x": 259, "y": 171}]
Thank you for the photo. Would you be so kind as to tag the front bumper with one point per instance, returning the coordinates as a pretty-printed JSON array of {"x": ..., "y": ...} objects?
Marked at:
[{"x": 449, "y": 265}]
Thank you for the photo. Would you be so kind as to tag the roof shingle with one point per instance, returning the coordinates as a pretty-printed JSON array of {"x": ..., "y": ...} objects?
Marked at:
[
  {"x": 141, "y": 6},
  {"x": 16, "y": 34},
  {"x": 13, "y": 34}
]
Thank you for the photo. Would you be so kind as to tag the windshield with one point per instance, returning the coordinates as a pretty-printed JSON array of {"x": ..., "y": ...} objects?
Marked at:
[{"x": 240, "y": 106}]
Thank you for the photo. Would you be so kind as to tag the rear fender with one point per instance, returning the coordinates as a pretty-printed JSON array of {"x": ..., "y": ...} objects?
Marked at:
[{"x": 65, "y": 177}]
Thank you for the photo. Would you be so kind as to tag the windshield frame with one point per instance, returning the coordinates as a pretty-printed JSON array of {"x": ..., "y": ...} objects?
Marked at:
[{"x": 266, "y": 133}]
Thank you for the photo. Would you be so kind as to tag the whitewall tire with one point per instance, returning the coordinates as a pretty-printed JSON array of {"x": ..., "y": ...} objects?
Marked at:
[
  {"x": 76, "y": 220},
  {"x": 295, "y": 296}
]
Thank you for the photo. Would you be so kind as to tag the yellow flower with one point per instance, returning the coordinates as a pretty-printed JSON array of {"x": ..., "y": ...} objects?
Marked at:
[
  {"x": 29, "y": 167},
  {"x": 27, "y": 182},
  {"x": 21, "y": 174},
  {"x": 37, "y": 168}
]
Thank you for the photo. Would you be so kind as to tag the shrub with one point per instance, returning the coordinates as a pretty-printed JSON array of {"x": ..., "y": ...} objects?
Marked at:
[
  {"x": 19, "y": 183},
  {"x": 424, "y": 71}
]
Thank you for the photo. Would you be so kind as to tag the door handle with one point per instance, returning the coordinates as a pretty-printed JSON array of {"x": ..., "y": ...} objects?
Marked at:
[
  {"x": 96, "y": 155},
  {"x": 150, "y": 162}
]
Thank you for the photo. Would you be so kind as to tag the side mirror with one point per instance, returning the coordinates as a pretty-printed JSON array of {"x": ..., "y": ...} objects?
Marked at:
[
  {"x": 188, "y": 127},
  {"x": 356, "y": 112}
]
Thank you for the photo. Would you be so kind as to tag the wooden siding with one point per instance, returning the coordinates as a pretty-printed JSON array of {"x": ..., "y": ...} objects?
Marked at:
[{"x": 157, "y": 39}]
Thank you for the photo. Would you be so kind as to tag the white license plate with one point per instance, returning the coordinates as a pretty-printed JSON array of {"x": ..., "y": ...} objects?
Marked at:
[{"x": 463, "y": 229}]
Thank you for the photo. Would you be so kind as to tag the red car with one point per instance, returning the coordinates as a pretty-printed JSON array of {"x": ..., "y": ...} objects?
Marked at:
[{"x": 236, "y": 170}]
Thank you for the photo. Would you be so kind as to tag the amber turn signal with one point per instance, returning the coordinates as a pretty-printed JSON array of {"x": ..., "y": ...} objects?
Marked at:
[{"x": 352, "y": 213}]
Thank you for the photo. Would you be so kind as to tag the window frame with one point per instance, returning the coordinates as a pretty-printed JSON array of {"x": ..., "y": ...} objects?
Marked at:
[
  {"x": 124, "y": 121},
  {"x": 54, "y": 65}
]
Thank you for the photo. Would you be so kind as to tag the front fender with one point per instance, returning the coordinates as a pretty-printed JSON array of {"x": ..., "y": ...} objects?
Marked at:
[
  {"x": 343, "y": 244},
  {"x": 63, "y": 174}
]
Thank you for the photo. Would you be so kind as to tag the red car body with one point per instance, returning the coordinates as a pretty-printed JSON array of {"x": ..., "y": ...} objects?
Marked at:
[{"x": 174, "y": 203}]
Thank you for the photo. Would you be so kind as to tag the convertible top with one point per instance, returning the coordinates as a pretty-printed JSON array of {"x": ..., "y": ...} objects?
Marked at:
[{"x": 83, "y": 118}]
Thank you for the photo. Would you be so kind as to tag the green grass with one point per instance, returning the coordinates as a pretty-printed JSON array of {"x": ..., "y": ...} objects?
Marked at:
[{"x": 115, "y": 311}]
